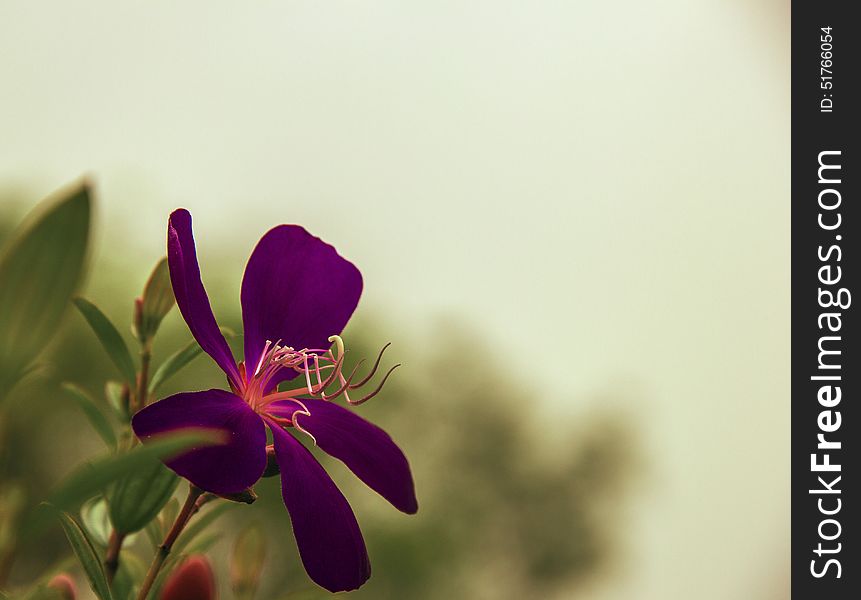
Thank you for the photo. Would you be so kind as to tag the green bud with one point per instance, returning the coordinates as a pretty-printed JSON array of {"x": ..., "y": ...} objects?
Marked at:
[{"x": 154, "y": 304}]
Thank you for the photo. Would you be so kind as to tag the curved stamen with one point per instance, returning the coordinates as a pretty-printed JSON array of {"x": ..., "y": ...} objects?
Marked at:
[
  {"x": 345, "y": 385},
  {"x": 376, "y": 391},
  {"x": 373, "y": 370},
  {"x": 335, "y": 372},
  {"x": 291, "y": 394},
  {"x": 259, "y": 391},
  {"x": 296, "y": 424}
]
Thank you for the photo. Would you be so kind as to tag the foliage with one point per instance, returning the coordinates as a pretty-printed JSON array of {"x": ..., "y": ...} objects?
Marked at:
[{"x": 508, "y": 507}]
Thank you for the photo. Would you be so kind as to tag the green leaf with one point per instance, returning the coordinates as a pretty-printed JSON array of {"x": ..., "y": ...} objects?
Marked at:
[
  {"x": 167, "y": 517},
  {"x": 94, "y": 518},
  {"x": 153, "y": 534},
  {"x": 117, "y": 395},
  {"x": 86, "y": 553},
  {"x": 198, "y": 525},
  {"x": 131, "y": 571},
  {"x": 138, "y": 497},
  {"x": 203, "y": 543},
  {"x": 173, "y": 364},
  {"x": 179, "y": 359},
  {"x": 94, "y": 477},
  {"x": 96, "y": 417},
  {"x": 155, "y": 303},
  {"x": 40, "y": 269},
  {"x": 110, "y": 338}
]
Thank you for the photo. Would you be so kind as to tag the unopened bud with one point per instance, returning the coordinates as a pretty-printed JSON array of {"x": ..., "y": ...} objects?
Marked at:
[
  {"x": 64, "y": 585},
  {"x": 137, "y": 319},
  {"x": 193, "y": 579},
  {"x": 246, "y": 496},
  {"x": 155, "y": 302},
  {"x": 272, "y": 467},
  {"x": 246, "y": 563}
]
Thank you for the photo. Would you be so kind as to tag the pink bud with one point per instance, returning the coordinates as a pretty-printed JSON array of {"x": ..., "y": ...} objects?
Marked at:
[
  {"x": 191, "y": 580},
  {"x": 65, "y": 585}
]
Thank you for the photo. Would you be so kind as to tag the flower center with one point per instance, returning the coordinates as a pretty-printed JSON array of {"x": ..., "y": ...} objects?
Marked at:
[{"x": 321, "y": 368}]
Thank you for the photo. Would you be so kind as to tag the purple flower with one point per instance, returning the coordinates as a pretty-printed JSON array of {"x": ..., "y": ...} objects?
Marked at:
[{"x": 296, "y": 290}]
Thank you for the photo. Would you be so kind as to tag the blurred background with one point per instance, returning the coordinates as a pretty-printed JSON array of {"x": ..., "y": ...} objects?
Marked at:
[{"x": 573, "y": 224}]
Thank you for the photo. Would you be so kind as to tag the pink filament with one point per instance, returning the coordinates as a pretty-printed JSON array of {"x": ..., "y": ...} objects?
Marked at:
[{"x": 320, "y": 369}]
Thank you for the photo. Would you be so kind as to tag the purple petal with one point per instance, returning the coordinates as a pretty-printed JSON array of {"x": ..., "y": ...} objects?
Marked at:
[
  {"x": 191, "y": 296},
  {"x": 330, "y": 542},
  {"x": 298, "y": 290},
  {"x": 366, "y": 449},
  {"x": 225, "y": 469}
]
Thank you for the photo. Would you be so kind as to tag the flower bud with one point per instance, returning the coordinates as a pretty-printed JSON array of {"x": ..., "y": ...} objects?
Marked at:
[
  {"x": 64, "y": 586},
  {"x": 154, "y": 304},
  {"x": 272, "y": 467},
  {"x": 246, "y": 496},
  {"x": 193, "y": 579},
  {"x": 246, "y": 563}
]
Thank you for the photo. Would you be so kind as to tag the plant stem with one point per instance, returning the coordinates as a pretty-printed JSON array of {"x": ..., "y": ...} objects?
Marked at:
[
  {"x": 112, "y": 555},
  {"x": 138, "y": 401},
  {"x": 143, "y": 379},
  {"x": 188, "y": 509}
]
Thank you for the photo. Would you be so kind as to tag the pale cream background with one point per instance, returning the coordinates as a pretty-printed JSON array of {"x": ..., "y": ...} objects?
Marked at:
[{"x": 603, "y": 184}]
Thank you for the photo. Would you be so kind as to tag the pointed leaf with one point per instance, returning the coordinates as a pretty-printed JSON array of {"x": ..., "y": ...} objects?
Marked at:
[
  {"x": 138, "y": 497},
  {"x": 153, "y": 534},
  {"x": 40, "y": 268},
  {"x": 204, "y": 542},
  {"x": 198, "y": 525},
  {"x": 95, "y": 415},
  {"x": 179, "y": 359},
  {"x": 173, "y": 364},
  {"x": 94, "y": 518},
  {"x": 110, "y": 338},
  {"x": 131, "y": 571},
  {"x": 86, "y": 553},
  {"x": 94, "y": 477},
  {"x": 167, "y": 517},
  {"x": 117, "y": 395}
]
